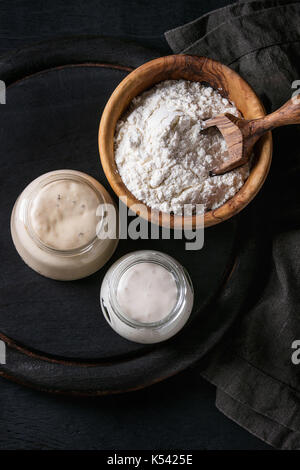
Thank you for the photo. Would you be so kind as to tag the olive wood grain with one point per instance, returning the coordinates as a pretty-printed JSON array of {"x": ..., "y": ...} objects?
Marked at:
[
  {"x": 194, "y": 68},
  {"x": 241, "y": 134}
]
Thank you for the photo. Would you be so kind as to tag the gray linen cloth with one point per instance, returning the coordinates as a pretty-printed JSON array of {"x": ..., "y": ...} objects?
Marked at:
[{"x": 258, "y": 385}]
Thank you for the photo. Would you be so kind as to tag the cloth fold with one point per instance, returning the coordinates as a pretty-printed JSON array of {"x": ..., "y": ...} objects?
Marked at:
[
  {"x": 258, "y": 386},
  {"x": 180, "y": 39}
]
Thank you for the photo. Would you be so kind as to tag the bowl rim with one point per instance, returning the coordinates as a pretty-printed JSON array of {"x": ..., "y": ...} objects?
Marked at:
[{"x": 239, "y": 201}]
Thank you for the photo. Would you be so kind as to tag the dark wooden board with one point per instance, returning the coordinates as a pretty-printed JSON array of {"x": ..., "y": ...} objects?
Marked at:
[{"x": 56, "y": 336}]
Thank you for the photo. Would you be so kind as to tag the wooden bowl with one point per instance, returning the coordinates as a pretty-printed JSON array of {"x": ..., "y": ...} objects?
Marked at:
[{"x": 194, "y": 68}]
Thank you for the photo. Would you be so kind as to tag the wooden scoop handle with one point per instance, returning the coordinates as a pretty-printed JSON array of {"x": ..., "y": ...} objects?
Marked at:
[{"x": 289, "y": 113}]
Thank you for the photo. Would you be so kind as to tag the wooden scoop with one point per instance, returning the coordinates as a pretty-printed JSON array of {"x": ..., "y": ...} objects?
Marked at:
[{"x": 241, "y": 134}]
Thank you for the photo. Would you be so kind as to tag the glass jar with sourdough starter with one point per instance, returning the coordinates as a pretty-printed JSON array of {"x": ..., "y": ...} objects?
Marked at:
[
  {"x": 58, "y": 225},
  {"x": 146, "y": 296}
]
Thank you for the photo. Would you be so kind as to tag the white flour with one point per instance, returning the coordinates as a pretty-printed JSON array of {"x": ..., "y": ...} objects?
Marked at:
[{"x": 164, "y": 157}]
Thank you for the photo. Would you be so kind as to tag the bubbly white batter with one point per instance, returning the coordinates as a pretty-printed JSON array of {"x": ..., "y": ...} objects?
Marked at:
[
  {"x": 59, "y": 209},
  {"x": 63, "y": 214},
  {"x": 147, "y": 292}
]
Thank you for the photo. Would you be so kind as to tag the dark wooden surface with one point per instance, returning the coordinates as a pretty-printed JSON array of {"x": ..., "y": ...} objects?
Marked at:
[
  {"x": 58, "y": 339},
  {"x": 153, "y": 417},
  {"x": 176, "y": 414}
]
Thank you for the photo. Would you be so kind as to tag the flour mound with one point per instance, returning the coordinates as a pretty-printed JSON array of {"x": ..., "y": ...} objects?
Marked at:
[{"x": 163, "y": 155}]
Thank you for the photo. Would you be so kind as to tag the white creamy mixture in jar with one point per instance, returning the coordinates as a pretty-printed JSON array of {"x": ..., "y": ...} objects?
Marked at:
[
  {"x": 146, "y": 296},
  {"x": 56, "y": 229},
  {"x": 147, "y": 292},
  {"x": 163, "y": 155},
  {"x": 63, "y": 214}
]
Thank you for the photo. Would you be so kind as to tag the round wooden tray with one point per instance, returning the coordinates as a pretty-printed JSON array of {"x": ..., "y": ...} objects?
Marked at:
[{"x": 56, "y": 337}]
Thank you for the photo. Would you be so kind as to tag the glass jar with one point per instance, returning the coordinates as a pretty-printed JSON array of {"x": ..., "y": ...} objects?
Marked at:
[
  {"x": 60, "y": 261},
  {"x": 142, "y": 332}
]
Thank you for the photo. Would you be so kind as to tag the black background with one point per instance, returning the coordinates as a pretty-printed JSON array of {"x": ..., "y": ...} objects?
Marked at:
[{"x": 178, "y": 413}]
